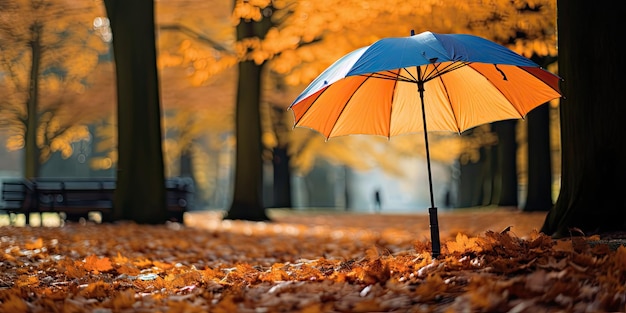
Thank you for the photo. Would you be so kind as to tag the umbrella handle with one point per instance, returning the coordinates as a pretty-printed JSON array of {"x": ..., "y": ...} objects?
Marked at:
[{"x": 434, "y": 232}]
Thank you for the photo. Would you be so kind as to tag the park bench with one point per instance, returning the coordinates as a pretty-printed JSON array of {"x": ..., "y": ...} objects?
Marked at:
[
  {"x": 16, "y": 197},
  {"x": 75, "y": 198}
]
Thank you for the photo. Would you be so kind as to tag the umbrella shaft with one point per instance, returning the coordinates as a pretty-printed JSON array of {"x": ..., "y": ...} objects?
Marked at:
[
  {"x": 434, "y": 232},
  {"x": 420, "y": 87},
  {"x": 432, "y": 211}
]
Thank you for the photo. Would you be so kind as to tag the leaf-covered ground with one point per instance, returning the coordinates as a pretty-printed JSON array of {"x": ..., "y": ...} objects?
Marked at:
[{"x": 492, "y": 261}]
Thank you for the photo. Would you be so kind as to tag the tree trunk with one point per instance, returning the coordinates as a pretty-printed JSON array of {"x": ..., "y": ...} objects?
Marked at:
[
  {"x": 32, "y": 162},
  {"x": 282, "y": 171},
  {"x": 592, "y": 112},
  {"x": 475, "y": 180},
  {"x": 282, "y": 178},
  {"x": 186, "y": 162},
  {"x": 140, "y": 192},
  {"x": 539, "y": 186},
  {"x": 247, "y": 201},
  {"x": 507, "y": 162}
]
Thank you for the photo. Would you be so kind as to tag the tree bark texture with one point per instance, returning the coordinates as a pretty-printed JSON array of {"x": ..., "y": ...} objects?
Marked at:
[
  {"x": 282, "y": 178},
  {"x": 539, "y": 186},
  {"x": 247, "y": 203},
  {"x": 592, "y": 65},
  {"x": 140, "y": 192},
  {"x": 475, "y": 180},
  {"x": 507, "y": 163},
  {"x": 32, "y": 162}
]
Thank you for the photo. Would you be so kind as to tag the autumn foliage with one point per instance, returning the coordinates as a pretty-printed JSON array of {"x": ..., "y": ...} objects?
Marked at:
[{"x": 321, "y": 263}]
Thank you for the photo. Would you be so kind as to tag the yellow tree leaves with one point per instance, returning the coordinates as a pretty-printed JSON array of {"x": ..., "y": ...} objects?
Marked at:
[
  {"x": 250, "y": 10},
  {"x": 52, "y": 40},
  {"x": 197, "y": 37}
]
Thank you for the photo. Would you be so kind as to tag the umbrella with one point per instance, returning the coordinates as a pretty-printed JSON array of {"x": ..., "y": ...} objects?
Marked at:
[{"x": 394, "y": 86}]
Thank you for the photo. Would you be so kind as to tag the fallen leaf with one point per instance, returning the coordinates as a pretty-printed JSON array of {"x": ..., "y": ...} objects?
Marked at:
[
  {"x": 35, "y": 244},
  {"x": 462, "y": 244},
  {"x": 95, "y": 264}
]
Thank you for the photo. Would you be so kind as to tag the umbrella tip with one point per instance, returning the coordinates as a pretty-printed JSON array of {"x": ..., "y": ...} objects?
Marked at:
[{"x": 412, "y": 32}]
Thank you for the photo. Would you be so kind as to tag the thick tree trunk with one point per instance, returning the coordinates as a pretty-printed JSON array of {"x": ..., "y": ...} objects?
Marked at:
[
  {"x": 539, "y": 186},
  {"x": 592, "y": 112},
  {"x": 140, "y": 192},
  {"x": 247, "y": 201}
]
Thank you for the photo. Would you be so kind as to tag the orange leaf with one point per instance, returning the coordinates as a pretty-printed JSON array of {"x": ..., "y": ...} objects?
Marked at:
[
  {"x": 72, "y": 269},
  {"x": 620, "y": 258},
  {"x": 54, "y": 293},
  {"x": 95, "y": 264},
  {"x": 128, "y": 270},
  {"x": 462, "y": 244},
  {"x": 96, "y": 290},
  {"x": 145, "y": 263},
  {"x": 163, "y": 265},
  {"x": 431, "y": 287},
  {"x": 14, "y": 304},
  {"x": 119, "y": 259},
  {"x": 36, "y": 244},
  {"x": 27, "y": 280},
  {"x": 123, "y": 300},
  {"x": 227, "y": 305},
  {"x": 563, "y": 246}
]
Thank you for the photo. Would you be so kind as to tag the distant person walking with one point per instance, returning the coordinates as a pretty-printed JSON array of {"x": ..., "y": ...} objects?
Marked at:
[{"x": 377, "y": 202}]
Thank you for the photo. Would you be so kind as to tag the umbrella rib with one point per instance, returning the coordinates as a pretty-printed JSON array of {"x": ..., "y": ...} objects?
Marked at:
[
  {"x": 521, "y": 115},
  {"x": 433, "y": 72},
  {"x": 440, "y": 71},
  {"x": 393, "y": 94},
  {"x": 345, "y": 104},
  {"x": 456, "y": 120},
  {"x": 549, "y": 85},
  {"x": 390, "y": 75},
  {"x": 513, "y": 104}
]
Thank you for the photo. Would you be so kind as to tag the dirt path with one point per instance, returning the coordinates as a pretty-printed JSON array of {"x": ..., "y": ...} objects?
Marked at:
[{"x": 399, "y": 226}]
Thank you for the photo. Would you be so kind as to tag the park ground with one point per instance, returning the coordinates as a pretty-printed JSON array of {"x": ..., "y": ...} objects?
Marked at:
[{"x": 493, "y": 260}]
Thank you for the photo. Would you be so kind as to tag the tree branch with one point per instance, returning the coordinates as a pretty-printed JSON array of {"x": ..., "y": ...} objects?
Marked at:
[{"x": 194, "y": 34}]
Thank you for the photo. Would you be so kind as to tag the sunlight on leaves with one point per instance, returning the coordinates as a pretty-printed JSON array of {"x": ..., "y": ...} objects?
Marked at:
[
  {"x": 36, "y": 244},
  {"x": 96, "y": 264},
  {"x": 221, "y": 266},
  {"x": 463, "y": 244}
]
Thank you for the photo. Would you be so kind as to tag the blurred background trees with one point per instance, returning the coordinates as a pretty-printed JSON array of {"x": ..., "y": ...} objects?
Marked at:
[
  {"x": 48, "y": 54},
  {"x": 289, "y": 43}
]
